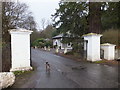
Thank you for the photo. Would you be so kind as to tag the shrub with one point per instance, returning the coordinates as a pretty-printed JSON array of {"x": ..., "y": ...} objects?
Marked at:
[
  {"x": 111, "y": 36},
  {"x": 41, "y": 42},
  {"x": 21, "y": 72},
  {"x": 48, "y": 43},
  {"x": 70, "y": 53}
]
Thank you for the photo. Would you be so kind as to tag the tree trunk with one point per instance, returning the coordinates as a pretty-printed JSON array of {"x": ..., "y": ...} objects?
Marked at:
[
  {"x": 118, "y": 9},
  {"x": 94, "y": 17}
]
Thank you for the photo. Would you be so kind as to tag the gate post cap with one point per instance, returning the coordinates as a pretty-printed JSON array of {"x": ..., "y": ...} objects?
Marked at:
[
  {"x": 20, "y": 30},
  {"x": 91, "y": 34},
  {"x": 107, "y": 44}
]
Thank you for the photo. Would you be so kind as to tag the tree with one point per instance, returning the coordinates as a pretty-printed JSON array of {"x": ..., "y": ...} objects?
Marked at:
[
  {"x": 111, "y": 36},
  {"x": 82, "y": 17},
  {"x": 41, "y": 43},
  {"x": 94, "y": 17},
  {"x": 72, "y": 17},
  {"x": 103, "y": 16},
  {"x": 43, "y": 21},
  {"x": 29, "y": 24},
  {"x": 110, "y": 16},
  {"x": 48, "y": 31},
  {"x": 15, "y": 15},
  {"x": 118, "y": 10},
  {"x": 35, "y": 35}
]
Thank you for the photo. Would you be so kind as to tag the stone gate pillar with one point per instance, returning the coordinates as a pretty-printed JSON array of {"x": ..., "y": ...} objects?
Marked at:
[
  {"x": 20, "y": 48},
  {"x": 93, "y": 46}
]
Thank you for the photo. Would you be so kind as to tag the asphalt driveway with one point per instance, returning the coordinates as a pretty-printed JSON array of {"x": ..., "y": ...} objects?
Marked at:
[{"x": 67, "y": 73}]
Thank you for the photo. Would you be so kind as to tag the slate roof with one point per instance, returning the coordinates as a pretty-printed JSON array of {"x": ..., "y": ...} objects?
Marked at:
[{"x": 58, "y": 36}]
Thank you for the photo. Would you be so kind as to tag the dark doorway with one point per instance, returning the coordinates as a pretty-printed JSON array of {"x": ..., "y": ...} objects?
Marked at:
[
  {"x": 101, "y": 53},
  {"x": 85, "y": 48}
]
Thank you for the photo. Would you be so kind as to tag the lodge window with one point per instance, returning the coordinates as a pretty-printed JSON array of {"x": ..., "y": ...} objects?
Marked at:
[{"x": 69, "y": 44}]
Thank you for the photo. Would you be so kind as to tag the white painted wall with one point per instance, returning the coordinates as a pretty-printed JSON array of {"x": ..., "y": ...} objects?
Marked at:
[
  {"x": 20, "y": 47},
  {"x": 109, "y": 51},
  {"x": 58, "y": 41},
  {"x": 63, "y": 46},
  {"x": 69, "y": 46},
  {"x": 93, "y": 46}
]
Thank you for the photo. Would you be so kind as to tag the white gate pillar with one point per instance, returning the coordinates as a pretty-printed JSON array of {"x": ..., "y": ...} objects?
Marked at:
[
  {"x": 93, "y": 46},
  {"x": 65, "y": 51},
  {"x": 20, "y": 48},
  {"x": 109, "y": 51}
]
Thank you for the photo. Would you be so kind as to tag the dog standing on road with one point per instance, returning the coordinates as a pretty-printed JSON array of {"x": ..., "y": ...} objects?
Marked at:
[{"x": 47, "y": 66}]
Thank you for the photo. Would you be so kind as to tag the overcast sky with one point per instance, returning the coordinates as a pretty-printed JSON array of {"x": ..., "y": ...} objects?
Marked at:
[{"x": 41, "y": 9}]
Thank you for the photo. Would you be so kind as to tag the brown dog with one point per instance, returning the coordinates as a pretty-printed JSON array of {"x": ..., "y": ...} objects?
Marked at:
[{"x": 47, "y": 66}]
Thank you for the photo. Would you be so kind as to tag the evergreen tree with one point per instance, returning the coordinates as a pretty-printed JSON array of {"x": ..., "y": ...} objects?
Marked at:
[
  {"x": 94, "y": 17},
  {"x": 72, "y": 17}
]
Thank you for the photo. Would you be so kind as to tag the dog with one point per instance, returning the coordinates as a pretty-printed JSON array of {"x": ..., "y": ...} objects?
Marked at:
[{"x": 47, "y": 66}]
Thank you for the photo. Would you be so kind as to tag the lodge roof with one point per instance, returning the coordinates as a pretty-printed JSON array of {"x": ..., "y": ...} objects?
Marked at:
[
  {"x": 58, "y": 36},
  {"x": 63, "y": 36}
]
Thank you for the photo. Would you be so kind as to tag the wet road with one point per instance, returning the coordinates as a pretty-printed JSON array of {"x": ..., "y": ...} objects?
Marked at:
[{"x": 67, "y": 73}]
